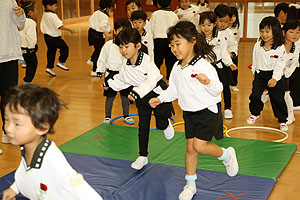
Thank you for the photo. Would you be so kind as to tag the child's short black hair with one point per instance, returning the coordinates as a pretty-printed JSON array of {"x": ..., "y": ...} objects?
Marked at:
[
  {"x": 164, "y": 3},
  {"x": 293, "y": 24},
  {"x": 274, "y": 24},
  {"x": 138, "y": 14},
  {"x": 293, "y": 13},
  {"x": 210, "y": 16},
  {"x": 122, "y": 22},
  {"x": 137, "y": 2},
  {"x": 222, "y": 10},
  {"x": 49, "y": 2},
  {"x": 27, "y": 6},
  {"x": 41, "y": 104},
  {"x": 234, "y": 12},
  {"x": 130, "y": 35},
  {"x": 103, "y": 4},
  {"x": 281, "y": 7}
]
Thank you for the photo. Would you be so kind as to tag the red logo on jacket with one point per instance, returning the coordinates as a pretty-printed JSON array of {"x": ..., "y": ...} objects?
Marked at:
[{"x": 274, "y": 56}]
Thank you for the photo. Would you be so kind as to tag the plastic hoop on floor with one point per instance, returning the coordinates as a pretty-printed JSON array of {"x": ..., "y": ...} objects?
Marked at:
[
  {"x": 182, "y": 122},
  {"x": 136, "y": 114},
  {"x": 259, "y": 127}
]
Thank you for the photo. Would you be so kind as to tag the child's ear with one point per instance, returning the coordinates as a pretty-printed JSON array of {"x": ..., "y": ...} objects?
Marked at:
[
  {"x": 193, "y": 40},
  {"x": 138, "y": 46},
  {"x": 44, "y": 130}
]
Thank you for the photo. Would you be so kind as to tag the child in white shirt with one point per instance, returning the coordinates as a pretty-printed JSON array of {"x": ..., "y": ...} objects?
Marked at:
[
  {"x": 138, "y": 19},
  {"x": 99, "y": 24},
  {"x": 139, "y": 73},
  {"x": 44, "y": 172},
  {"x": 268, "y": 64},
  {"x": 51, "y": 27},
  {"x": 195, "y": 83},
  {"x": 188, "y": 12},
  {"x": 109, "y": 62},
  {"x": 29, "y": 40}
]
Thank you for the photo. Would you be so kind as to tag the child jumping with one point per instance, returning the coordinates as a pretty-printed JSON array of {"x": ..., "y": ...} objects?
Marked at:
[
  {"x": 268, "y": 64},
  {"x": 195, "y": 83},
  {"x": 29, "y": 40},
  {"x": 51, "y": 27},
  {"x": 99, "y": 23},
  {"x": 139, "y": 73},
  {"x": 110, "y": 61},
  {"x": 44, "y": 172}
]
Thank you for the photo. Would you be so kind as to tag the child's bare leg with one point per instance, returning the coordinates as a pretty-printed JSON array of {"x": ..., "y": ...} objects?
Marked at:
[
  {"x": 191, "y": 158},
  {"x": 207, "y": 148}
]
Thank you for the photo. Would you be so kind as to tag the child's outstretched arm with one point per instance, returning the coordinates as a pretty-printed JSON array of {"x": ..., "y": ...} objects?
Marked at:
[{"x": 67, "y": 29}]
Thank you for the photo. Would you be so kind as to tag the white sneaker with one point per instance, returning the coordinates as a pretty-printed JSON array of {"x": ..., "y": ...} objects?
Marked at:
[
  {"x": 290, "y": 121},
  {"x": 264, "y": 97},
  {"x": 296, "y": 108},
  {"x": 169, "y": 131},
  {"x": 251, "y": 120},
  {"x": 49, "y": 71},
  {"x": 284, "y": 127},
  {"x": 139, "y": 163},
  {"x": 232, "y": 167},
  {"x": 235, "y": 89},
  {"x": 24, "y": 64},
  {"x": 94, "y": 74},
  {"x": 89, "y": 62},
  {"x": 1, "y": 151},
  {"x": 228, "y": 114},
  {"x": 187, "y": 193},
  {"x": 5, "y": 139},
  {"x": 61, "y": 65},
  {"x": 128, "y": 120},
  {"x": 107, "y": 120}
]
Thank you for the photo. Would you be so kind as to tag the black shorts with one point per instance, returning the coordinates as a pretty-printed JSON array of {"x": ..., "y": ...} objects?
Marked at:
[{"x": 204, "y": 124}]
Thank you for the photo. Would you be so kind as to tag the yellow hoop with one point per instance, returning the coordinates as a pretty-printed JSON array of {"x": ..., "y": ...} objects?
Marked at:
[{"x": 182, "y": 122}]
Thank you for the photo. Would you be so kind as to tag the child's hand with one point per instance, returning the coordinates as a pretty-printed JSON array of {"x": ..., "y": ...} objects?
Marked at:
[
  {"x": 233, "y": 67},
  {"x": 105, "y": 87},
  {"x": 72, "y": 31},
  {"x": 9, "y": 194},
  {"x": 203, "y": 79},
  {"x": 176, "y": 11},
  {"x": 180, "y": 16},
  {"x": 131, "y": 98},
  {"x": 272, "y": 82},
  {"x": 18, "y": 11},
  {"x": 154, "y": 102}
]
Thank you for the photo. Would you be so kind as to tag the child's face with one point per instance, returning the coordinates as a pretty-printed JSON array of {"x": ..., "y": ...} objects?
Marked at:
[
  {"x": 33, "y": 13},
  {"x": 130, "y": 8},
  {"x": 266, "y": 35},
  {"x": 222, "y": 23},
  {"x": 207, "y": 28},
  {"x": 292, "y": 35},
  {"x": 232, "y": 20},
  {"x": 184, "y": 4},
  {"x": 139, "y": 24},
  {"x": 182, "y": 48},
  {"x": 19, "y": 128},
  {"x": 53, "y": 7},
  {"x": 130, "y": 50}
]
